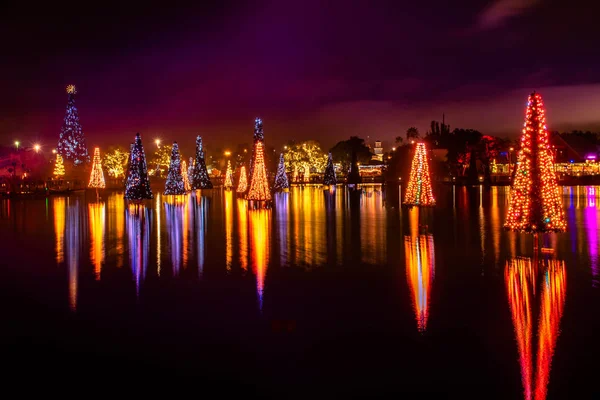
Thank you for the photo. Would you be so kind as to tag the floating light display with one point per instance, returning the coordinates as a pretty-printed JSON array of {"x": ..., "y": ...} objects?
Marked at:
[
  {"x": 174, "y": 184},
  {"x": 199, "y": 179},
  {"x": 71, "y": 142},
  {"x": 97, "y": 176},
  {"x": 137, "y": 186},
  {"x": 59, "y": 166},
  {"x": 228, "y": 176},
  {"x": 418, "y": 191},
  {"x": 259, "y": 185},
  {"x": 281, "y": 180},
  {"x": 243, "y": 182}
]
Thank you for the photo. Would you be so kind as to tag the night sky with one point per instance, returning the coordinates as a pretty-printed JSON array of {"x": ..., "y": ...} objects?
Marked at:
[{"x": 310, "y": 70}]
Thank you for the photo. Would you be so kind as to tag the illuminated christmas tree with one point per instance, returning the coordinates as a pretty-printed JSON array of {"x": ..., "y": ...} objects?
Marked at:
[
  {"x": 418, "y": 191},
  {"x": 228, "y": 176},
  {"x": 184, "y": 173},
  {"x": 200, "y": 179},
  {"x": 137, "y": 186},
  {"x": 281, "y": 180},
  {"x": 190, "y": 171},
  {"x": 97, "y": 176},
  {"x": 259, "y": 136},
  {"x": 59, "y": 166},
  {"x": 71, "y": 142},
  {"x": 535, "y": 204},
  {"x": 243, "y": 183},
  {"x": 174, "y": 184},
  {"x": 329, "y": 177},
  {"x": 259, "y": 185}
]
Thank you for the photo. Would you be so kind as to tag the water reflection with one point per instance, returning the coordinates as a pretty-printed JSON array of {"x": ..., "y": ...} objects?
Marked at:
[
  {"x": 420, "y": 268},
  {"x": 59, "y": 208},
  {"x": 591, "y": 216},
  {"x": 228, "y": 229},
  {"x": 116, "y": 224},
  {"x": 73, "y": 243},
  {"x": 260, "y": 241},
  {"x": 242, "y": 208},
  {"x": 200, "y": 211},
  {"x": 521, "y": 276},
  {"x": 175, "y": 215},
  {"x": 308, "y": 220},
  {"x": 283, "y": 225},
  {"x": 97, "y": 230},
  {"x": 138, "y": 232},
  {"x": 373, "y": 225}
]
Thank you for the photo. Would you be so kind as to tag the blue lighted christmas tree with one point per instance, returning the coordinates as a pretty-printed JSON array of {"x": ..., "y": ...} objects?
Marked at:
[
  {"x": 137, "y": 183},
  {"x": 199, "y": 178},
  {"x": 71, "y": 142},
  {"x": 259, "y": 137},
  {"x": 329, "y": 177},
  {"x": 281, "y": 180},
  {"x": 174, "y": 184}
]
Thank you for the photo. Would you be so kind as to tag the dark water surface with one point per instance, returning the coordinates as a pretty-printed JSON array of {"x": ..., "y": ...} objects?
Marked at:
[{"x": 327, "y": 295}]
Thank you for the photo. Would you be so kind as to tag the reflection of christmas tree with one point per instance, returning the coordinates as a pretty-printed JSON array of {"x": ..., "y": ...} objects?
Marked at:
[
  {"x": 228, "y": 176},
  {"x": 329, "y": 177},
  {"x": 97, "y": 176},
  {"x": 243, "y": 183},
  {"x": 259, "y": 185},
  {"x": 184, "y": 174},
  {"x": 259, "y": 136},
  {"x": 137, "y": 184},
  {"x": 535, "y": 204},
  {"x": 174, "y": 183},
  {"x": 71, "y": 142},
  {"x": 59, "y": 166},
  {"x": 200, "y": 179},
  {"x": 418, "y": 191},
  {"x": 281, "y": 180}
]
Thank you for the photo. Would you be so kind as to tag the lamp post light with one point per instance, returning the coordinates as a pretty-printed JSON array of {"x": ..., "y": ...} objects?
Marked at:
[
  {"x": 36, "y": 147},
  {"x": 53, "y": 151},
  {"x": 227, "y": 153},
  {"x": 17, "y": 143},
  {"x": 157, "y": 141}
]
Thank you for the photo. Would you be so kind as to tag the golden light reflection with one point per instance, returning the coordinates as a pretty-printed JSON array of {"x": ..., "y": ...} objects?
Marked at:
[
  {"x": 116, "y": 222},
  {"x": 260, "y": 240},
  {"x": 373, "y": 225},
  {"x": 73, "y": 243},
  {"x": 242, "y": 208},
  {"x": 309, "y": 226},
  {"x": 520, "y": 278},
  {"x": 420, "y": 269},
  {"x": 228, "y": 229},
  {"x": 97, "y": 229},
  {"x": 495, "y": 223},
  {"x": 138, "y": 233},
  {"x": 174, "y": 216},
  {"x": 59, "y": 207}
]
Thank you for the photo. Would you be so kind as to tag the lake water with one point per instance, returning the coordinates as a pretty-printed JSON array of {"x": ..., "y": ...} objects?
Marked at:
[{"x": 331, "y": 294}]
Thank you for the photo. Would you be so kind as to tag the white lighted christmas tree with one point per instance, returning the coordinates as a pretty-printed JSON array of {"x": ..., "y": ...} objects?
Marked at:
[{"x": 97, "y": 176}]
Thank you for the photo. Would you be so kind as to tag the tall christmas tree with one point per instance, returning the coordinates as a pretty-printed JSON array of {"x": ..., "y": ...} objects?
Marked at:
[
  {"x": 59, "y": 166},
  {"x": 243, "y": 182},
  {"x": 418, "y": 191},
  {"x": 228, "y": 176},
  {"x": 281, "y": 180},
  {"x": 174, "y": 183},
  {"x": 184, "y": 173},
  {"x": 259, "y": 185},
  {"x": 199, "y": 179},
  {"x": 535, "y": 204},
  {"x": 329, "y": 177},
  {"x": 71, "y": 142},
  {"x": 354, "y": 174},
  {"x": 259, "y": 136},
  {"x": 97, "y": 176},
  {"x": 137, "y": 186}
]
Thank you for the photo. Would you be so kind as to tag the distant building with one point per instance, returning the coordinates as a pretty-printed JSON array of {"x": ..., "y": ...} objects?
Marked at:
[{"x": 377, "y": 151}]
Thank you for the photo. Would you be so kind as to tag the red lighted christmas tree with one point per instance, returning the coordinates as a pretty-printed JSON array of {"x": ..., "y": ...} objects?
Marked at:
[
  {"x": 535, "y": 204},
  {"x": 418, "y": 192},
  {"x": 259, "y": 185}
]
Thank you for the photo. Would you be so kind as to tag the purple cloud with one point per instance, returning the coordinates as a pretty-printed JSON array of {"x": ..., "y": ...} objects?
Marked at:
[{"x": 501, "y": 10}]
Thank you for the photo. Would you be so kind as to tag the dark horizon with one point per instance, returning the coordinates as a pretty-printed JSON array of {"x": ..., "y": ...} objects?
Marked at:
[{"x": 310, "y": 71}]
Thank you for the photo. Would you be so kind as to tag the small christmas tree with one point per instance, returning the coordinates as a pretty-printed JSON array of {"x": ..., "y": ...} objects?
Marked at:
[
  {"x": 97, "y": 176},
  {"x": 184, "y": 173},
  {"x": 329, "y": 177},
  {"x": 200, "y": 178},
  {"x": 190, "y": 170},
  {"x": 137, "y": 186},
  {"x": 59, "y": 166},
  {"x": 174, "y": 184},
  {"x": 243, "y": 183},
  {"x": 71, "y": 142},
  {"x": 535, "y": 204},
  {"x": 259, "y": 136},
  {"x": 228, "y": 176},
  {"x": 281, "y": 180},
  {"x": 418, "y": 191},
  {"x": 259, "y": 185},
  {"x": 354, "y": 174}
]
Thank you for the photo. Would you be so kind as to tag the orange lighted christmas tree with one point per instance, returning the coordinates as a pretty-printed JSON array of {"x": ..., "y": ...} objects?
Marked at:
[
  {"x": 97, "y": 176},
  {"x": 243, "y": 183},
  {"x": 59, "y": 166},
  {"x": 535, "y": 204},
  {"x": 186, "y": 179},
  {"x": 418, "y": 192},
  {"x": 229, "y": 176},
  {"x": 259, "y": 185}
]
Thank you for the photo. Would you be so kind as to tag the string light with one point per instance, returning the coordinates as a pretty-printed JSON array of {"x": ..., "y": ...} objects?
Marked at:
[
  {"x": 174, "y": 184},
  {"x": 535, "y": 204},
  {"x": 59, "y": 166},
  {"x": 228, "y": 176},
  {"x": 259, "y": 185},
  {"x": 71, "y": 142},
  {"x": 243, "y": 183},
  {"x": 199, "y": 179},
  {"x": 184, "y": 174},
  {"x": 419, "y": 192},
  {"x": 329, "y": 177},
  {"x": 97, "y": 176},
  {"x": 137, "y": 186},
  {"x": 281, "y": 180}
]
